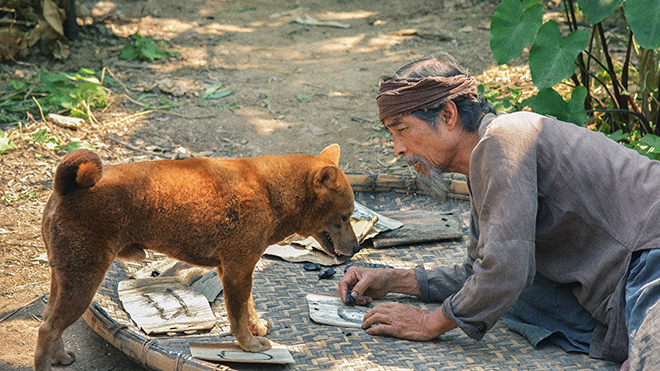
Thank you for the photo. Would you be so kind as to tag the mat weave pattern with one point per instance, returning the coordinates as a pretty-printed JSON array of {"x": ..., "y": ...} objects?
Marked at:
[{"x": 279, "y": 291}]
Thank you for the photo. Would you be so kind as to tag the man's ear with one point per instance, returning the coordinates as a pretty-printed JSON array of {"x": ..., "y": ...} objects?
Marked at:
[
  {"x": 331, "y": 153},
  {"x": 327, "y": 178},
  {"x": 450, "y": 115}
]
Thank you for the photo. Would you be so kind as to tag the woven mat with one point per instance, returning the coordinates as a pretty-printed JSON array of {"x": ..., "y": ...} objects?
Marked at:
[{"x": 279, "y": 291}]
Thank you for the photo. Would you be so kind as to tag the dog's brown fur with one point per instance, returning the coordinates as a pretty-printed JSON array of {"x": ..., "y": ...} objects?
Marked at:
[{"x": 207, "y": 212}]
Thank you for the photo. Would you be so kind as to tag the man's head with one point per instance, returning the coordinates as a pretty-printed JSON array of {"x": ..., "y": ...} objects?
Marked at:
[{"x": 431, "y": 106}]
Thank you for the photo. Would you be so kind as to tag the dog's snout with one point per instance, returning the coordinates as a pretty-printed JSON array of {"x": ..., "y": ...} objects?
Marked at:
[{"x": 356, "y": 248}]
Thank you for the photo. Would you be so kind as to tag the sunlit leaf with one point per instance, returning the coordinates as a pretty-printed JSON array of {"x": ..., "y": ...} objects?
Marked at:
[
  {"x": 513, "y": 27},
  {"x": 6, "y": 145},
  {"x": 40, "y": 135}
]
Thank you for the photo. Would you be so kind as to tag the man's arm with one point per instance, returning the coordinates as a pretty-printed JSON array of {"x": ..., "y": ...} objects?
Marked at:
[{"x": 366, "y": 284}]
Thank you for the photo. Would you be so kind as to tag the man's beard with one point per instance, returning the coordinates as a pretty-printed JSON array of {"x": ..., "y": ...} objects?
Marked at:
[{"x": 434, "y": 184}]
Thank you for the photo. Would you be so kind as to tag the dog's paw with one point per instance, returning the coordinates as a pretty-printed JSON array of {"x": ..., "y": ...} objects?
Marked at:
[
  {"x": 256, "y": 344},
  {"x": 260, "y": 327},
  {"x": 63, "y": 358}
]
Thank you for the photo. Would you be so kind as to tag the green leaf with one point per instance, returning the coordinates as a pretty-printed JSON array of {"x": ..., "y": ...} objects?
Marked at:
[
  {"x": 597, "y": 10},
  {"x": 18, "y": 85},
  {"x": 303, "y": 96},
  {"x": 618, "y": 136},
  {"x": 212, "y": 89},
  {"x": 145, "y": 96},
  {"x": 130, "y": 52},
  {"x": 167, "y": 102},
  {"x": 576, "y": 111},
  {"x": 643, "y": 18},
  {"x": 54, "y": 78},
  {"x": 219, "y": 94},
  {"x": 549, "y": 102},
  {"x": 552, "y": 57},
  {"x": 40, "y": 136},
  {"x": 651, "y": 140},
  {"x": 512, "y": 28},
  {"x": 151, "y": 52},
  {"x": 78, "y": 145},
  {"x": 6, "y": 145}
]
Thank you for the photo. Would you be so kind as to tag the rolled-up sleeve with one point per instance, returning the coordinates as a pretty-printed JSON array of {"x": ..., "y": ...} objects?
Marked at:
[{"x": 436, "y": 285}]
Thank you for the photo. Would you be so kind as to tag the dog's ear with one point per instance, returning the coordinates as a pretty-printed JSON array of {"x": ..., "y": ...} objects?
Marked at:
[
  {"x": 327, "y": 178},
  {"x": 331, "y": 153}
]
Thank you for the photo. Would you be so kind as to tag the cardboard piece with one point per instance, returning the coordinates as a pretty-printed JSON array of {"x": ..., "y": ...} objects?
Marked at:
[
  {"x": 331, "y": 310},
  {"x": 366, "y": 224},
  {"x": 419, "y": 226},
  {"x": 209, "y": 285},
  {"x": 233, "y": 353},
  {"x": 163, "y": 304}
]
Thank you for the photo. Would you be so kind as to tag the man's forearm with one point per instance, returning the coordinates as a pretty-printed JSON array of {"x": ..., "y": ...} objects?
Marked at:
[{"x": 404, "y": 281}]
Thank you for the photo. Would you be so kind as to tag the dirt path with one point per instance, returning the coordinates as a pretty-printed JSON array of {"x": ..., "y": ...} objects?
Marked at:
[{"x": 296, "y": 89}]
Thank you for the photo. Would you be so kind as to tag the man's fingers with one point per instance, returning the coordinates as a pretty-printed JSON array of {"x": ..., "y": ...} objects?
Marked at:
[
  {"x": 363, "y": 284},
  {"x": 381, "y": 329},
  {"x": 363, "y": 300},
  {"x": 347, "y": 282},
  {"x": 376, "y": 316}
]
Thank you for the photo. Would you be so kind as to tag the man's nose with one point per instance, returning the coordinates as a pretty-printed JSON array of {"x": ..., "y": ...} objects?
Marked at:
[{"x": 399, "y": 148}]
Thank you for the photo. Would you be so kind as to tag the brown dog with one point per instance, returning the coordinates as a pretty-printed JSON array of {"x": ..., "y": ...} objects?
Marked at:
[{"x": 208, "y": 212}]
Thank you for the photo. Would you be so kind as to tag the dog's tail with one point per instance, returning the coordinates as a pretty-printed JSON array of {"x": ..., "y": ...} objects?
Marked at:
[{"x": 79, "y": 170}]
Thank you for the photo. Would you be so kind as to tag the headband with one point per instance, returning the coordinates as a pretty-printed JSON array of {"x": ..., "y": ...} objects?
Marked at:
[{"x": 403, "y": 95}]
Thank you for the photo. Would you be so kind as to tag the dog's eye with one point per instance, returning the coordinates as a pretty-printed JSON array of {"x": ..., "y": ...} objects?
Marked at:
[{"x": 344, "y": 218}]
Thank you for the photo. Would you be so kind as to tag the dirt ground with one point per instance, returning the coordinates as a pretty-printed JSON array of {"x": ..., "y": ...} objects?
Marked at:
[{"x": 297, "y": 89}]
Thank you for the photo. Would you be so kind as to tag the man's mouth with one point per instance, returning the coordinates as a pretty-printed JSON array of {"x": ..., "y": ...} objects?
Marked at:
[{"x": 420, "y": 168}]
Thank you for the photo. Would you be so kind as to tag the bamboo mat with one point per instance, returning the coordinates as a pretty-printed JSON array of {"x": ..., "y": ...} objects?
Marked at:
[{"x": 280, "y": 289}]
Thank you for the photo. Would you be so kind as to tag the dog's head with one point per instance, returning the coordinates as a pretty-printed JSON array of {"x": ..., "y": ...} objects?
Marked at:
[{"x": 330, "y": 221}]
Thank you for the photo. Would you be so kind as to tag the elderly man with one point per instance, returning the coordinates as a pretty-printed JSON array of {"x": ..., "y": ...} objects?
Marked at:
[{"x": 563, "y": 232}]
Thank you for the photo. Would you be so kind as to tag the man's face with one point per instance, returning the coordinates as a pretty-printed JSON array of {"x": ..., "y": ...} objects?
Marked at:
[{"x": 428, "y": 148}]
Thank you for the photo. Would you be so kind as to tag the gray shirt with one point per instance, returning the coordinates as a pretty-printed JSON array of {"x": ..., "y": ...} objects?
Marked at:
[{"x": 551, "y": 197}]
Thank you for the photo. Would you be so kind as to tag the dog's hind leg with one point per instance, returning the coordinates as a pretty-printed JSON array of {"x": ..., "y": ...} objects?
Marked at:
[
  {"x": 237, "y": 288},
  {"x": 71, "y": 293}
]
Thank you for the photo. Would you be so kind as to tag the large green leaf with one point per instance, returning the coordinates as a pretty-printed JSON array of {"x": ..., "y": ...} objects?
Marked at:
[
  {"x": 644, "y": 21},
  {"x": 576, "y": 111},
  {"x": 513, "y": 27},
  {"x": 552, "y": 57},
  {"x": 549, "y": 102},
  {"x": 597, "y": 10}
]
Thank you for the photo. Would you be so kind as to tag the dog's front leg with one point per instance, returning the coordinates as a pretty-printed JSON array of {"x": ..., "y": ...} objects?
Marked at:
[
  {"x": 237, "y": 288},
  {"x": 257, "y": 326}
]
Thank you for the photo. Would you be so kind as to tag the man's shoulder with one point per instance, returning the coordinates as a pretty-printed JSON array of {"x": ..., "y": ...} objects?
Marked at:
[
  {"x": 516, "y": 123},
  {"x": 518, "y": 118}
]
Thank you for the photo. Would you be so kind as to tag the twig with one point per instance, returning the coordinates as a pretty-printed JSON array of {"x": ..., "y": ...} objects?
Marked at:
[
  {"x": 17, "y": 310},
  {"x": 184, "y": 116},
  {"x": 40, "y": 110},
  {"x": 134, "y": 148},
  {"x": 141, "y": 113}
]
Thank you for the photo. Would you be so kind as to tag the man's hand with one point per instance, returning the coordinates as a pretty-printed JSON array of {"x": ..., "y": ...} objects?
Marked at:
[
  {"x": 365, "y": 284},
  {"x": 406, "y": 322}
]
